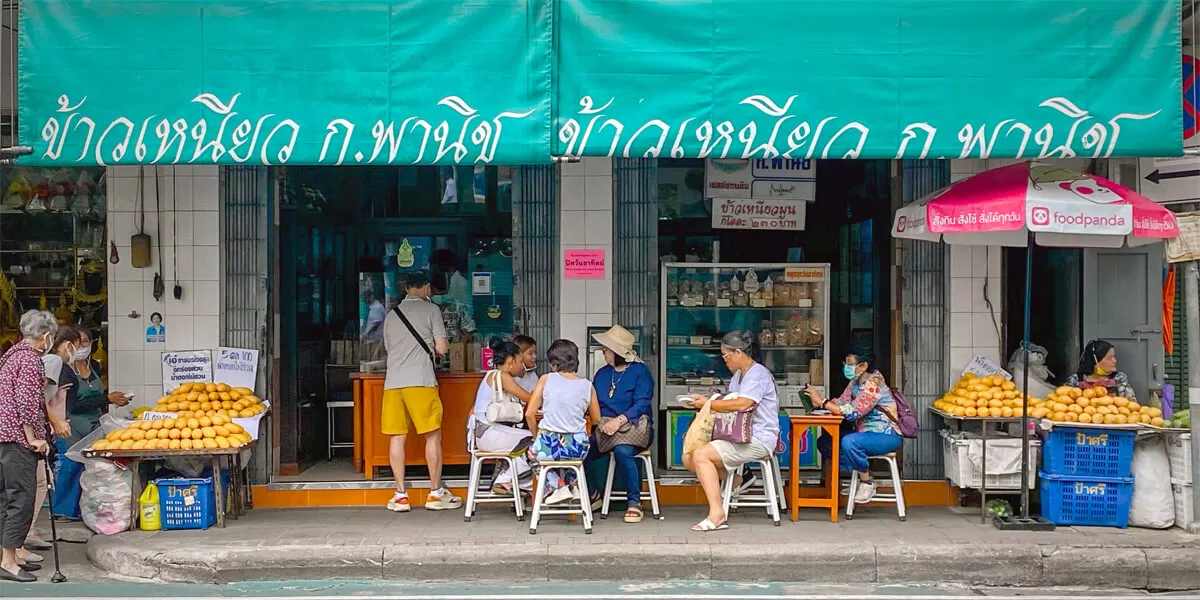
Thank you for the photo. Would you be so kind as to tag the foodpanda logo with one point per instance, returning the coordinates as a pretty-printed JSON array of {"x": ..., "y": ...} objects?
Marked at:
[
  {"x": 1091, "y": 190},
  {"x": 1040, "y": 215}
]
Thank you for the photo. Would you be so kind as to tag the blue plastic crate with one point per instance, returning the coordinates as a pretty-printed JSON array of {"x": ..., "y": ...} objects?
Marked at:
[
  {"x": 186, "y": 503},
  {"x": 1089, "y": 452},
  {"x": 1089, "y": 501}
]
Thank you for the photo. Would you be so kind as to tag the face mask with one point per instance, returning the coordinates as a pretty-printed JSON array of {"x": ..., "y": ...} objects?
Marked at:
[
  {"x": 1098, "y": 372},
  {"x": 83, "y": 353},
  {"x": 850, "y": 371},
  {"x": 49, "y": 344}
]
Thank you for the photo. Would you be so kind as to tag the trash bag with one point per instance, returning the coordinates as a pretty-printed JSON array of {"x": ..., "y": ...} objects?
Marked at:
[
  {"x": 1153, "y": 504},
  {"x": 106, "y": 502},
  {"x": 190, "y": 467}
]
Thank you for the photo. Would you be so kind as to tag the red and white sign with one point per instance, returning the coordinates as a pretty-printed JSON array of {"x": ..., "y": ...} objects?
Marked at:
[{"x": 583, "y": 264}]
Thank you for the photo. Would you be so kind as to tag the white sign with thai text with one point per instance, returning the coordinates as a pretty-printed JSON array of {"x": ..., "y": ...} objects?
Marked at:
[
  {"x": 768, "y": 215},
  {"x": 237, "y": 367},
  {"x": 186, "y": 366}
]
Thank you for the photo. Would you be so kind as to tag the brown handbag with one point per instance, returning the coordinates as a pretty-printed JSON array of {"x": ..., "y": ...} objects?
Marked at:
[{"x": 634, "y": 433}]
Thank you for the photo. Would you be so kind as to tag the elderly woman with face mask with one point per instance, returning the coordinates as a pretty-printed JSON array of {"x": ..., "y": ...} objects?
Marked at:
[
  {"x": 24, "y": 431},
  {"x": 1098, "y": 369}
]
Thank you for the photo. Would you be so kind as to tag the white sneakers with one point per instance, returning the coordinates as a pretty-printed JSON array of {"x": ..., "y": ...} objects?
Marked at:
[
  {"x": 562, "y": 494},
  {"x": 439, "y": 499},
  {"x": 866, "y": 491},
  {"x": 442, "y": 499}
]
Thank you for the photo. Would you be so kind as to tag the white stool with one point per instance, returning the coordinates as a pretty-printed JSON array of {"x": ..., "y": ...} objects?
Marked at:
[
  {"x": 897, "y": 486},
  {"x": 771, "y": 497},
  {"x": 477, "y": 496},
  {"x": 581, "y": 507},
  {"x": 644, "y": 457},
  {"x": 330, "y": 408}
]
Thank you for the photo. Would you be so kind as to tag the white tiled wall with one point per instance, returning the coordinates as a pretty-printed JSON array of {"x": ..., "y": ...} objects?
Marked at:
[
  {"x": 975, "y": 280},
  {"x": 586, "y": 222},
  {"x": 190, "y": 234}
]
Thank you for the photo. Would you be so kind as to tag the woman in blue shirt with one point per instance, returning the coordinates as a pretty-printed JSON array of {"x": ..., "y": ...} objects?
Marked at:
[{"x": 625, "y": 389}]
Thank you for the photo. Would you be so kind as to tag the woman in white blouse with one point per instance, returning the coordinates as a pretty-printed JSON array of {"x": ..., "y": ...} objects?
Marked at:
[{"x": 754, "y": 386}]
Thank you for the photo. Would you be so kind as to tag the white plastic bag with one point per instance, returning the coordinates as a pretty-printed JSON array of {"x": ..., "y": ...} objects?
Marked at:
[
  {"x": 108, "y": 424},
  {"x": 1153, "y": 504},
  {"x": 106, "y": 502}
]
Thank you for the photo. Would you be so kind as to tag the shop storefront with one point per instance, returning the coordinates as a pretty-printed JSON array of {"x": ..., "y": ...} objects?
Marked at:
[{"x": 779, "y": 174}]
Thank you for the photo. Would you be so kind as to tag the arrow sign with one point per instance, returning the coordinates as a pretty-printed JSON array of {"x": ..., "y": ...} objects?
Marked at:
[{"x": 1158, "y": 176}]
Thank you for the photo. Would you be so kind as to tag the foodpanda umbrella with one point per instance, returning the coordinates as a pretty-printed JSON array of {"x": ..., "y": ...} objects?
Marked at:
[{"x": 1030, "y": 203}]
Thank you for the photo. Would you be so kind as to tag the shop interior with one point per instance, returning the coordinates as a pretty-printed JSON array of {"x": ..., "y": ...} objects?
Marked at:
[
  {"x": 53, "y": 243},
  {"x": 846, "y": 227},
  {"x": 347, "y": 237}
]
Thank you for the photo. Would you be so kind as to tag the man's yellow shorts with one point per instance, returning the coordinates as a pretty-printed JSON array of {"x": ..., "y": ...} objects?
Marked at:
[{"x": 404, "y": 408}]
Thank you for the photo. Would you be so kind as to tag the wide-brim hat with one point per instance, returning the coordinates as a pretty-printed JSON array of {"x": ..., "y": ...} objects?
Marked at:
[{"x": 620, "y": 341}]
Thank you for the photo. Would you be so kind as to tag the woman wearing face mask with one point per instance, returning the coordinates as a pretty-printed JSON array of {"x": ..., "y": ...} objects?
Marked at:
[
  {"x": 86, "y": 401},
  {"x": 23, "y": 433},
  {"x": 1098, "y": 368},
  {"x": 867, "y": 402}
]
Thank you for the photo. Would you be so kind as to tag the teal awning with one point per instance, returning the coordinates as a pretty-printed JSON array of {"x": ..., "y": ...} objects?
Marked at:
[{"x": 520, "y": 81}]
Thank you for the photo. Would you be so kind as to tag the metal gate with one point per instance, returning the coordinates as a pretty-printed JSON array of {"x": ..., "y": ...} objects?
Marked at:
[
  {"x": 923, "y": 313},
  {"x": 635, "y": 249},
  {"x": 535, "y": 253},
  {"x": 245, "y": 198}
]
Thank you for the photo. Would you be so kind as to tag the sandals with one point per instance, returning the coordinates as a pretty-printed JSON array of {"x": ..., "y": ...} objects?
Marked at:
[
  {"x": 633, "y": 514},
  {"x": 707, "y": 526}
]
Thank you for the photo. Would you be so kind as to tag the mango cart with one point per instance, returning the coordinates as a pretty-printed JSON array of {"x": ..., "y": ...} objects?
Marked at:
[{"x": 219, "y": 459}]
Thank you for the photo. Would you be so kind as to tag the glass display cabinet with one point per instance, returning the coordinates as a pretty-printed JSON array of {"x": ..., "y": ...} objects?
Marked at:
[{"x": 785, "y": 305}]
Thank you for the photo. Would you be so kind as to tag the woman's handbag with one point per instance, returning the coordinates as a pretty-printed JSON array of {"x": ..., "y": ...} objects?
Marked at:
[
  {"x": 504, "y": 407},
  {"x": 700, "y": 431},
  {"x": 633, "y": 433},
  {"x": 733, "y": 427}
]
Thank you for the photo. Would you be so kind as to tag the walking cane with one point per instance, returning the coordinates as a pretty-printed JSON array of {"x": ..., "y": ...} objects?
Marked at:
[{"x": 58, "y": 575}]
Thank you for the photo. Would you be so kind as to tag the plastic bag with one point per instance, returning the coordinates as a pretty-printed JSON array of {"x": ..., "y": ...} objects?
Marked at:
[
  {"x": 149, "y": 512},
  {"x": 1037, "y": 363},
  {"x": 108, "y": 424},
  {"x": 188, "y": 466},
  {"x": 699, "y": 432},
  {"x": 1153, "y": 503},
  {"x": 105, "y": 502}
]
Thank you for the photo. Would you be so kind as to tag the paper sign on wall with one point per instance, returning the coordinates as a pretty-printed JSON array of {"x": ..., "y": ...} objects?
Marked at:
[
  {"x": 766, "y": 215},
  {"x": 481, "y": 283},
  {"x": 184, "y": 367},
  {"x": 583, "y": 264},
  {"x": 237, "y": 367}
]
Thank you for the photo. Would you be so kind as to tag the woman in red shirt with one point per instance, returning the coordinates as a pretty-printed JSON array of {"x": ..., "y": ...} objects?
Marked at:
[{"x": 24, "y": 431}]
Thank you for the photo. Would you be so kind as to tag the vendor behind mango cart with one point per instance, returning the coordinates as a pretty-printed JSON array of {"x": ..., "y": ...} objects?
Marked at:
[{"x": 1098, "y": 369}]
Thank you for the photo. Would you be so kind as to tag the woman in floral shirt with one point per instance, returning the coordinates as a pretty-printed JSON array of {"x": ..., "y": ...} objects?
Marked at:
[
  {"x": 1098, "y": 368},
  {"x": 868, "y": 403},
  {"x": 23, "y": 434}
]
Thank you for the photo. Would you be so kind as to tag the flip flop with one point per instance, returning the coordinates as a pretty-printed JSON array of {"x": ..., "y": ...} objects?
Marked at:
[{"x": 707, "y": 526}]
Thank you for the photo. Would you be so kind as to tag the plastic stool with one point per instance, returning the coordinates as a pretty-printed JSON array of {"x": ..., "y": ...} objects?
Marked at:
[
  {"x": 644, "y": 457},
  {"x": 584, "y": 508},
  {"x": 772, "y": 496},
  {"x": 477, "y": 496},
  {"x": 897, "y": 495}
]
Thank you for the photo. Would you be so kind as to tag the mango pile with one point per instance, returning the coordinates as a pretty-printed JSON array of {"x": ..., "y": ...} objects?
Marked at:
[
  {"x": 211, "y": 399},
  {"x": 1074, "y": 405},
  {"x": 978, "y": 397},
  {"x": 191, "y": 433}
]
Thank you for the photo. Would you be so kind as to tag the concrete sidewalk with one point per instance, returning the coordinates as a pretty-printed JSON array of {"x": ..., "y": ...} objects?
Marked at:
[{"x": 935, "y": 545}]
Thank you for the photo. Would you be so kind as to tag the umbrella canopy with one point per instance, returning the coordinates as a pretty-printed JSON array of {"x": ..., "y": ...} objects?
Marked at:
[{"x": 1060, "y": 207}]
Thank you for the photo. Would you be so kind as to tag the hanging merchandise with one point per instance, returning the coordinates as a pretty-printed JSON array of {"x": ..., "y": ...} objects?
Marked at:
[
  {"x": 159, "y": 285},
  {"x": 178, "y": 291},
  {"x": 139, "y": 243}
]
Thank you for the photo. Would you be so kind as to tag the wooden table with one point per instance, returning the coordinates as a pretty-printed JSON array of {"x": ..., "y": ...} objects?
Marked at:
[
  {"x": 371, "y": 446},
  {"x": 831, "y": 424},
  {"x": 239, "y": 489}
]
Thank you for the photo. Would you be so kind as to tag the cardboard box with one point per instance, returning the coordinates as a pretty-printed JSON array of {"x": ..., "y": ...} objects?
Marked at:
[{"x": 458, "y": 357}]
